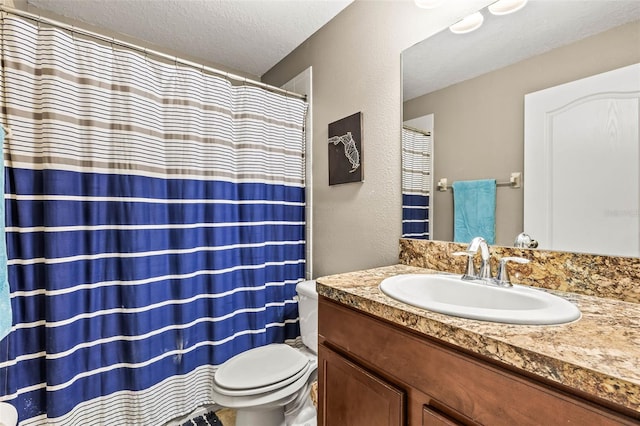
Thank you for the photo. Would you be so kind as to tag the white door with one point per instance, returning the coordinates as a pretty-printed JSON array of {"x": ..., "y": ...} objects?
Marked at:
[{"x": 582, "y": 158}]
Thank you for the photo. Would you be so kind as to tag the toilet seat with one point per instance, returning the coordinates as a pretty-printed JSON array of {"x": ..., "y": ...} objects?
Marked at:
[
  {"x": 262, "y": 367},
  {"x": 255, "y": 391},
  {"x": 278, "y": 397}
]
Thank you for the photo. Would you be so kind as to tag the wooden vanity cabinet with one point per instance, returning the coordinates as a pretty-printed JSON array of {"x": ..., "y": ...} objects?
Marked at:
[{"x": 372, "y": 373}]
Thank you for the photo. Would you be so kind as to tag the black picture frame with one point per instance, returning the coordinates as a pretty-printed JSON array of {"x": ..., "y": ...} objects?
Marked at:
[{"x": 345, "y": 150}]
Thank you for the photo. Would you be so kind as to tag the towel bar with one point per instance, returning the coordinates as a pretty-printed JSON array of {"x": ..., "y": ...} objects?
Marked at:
[{"x": 515, "y": 181}]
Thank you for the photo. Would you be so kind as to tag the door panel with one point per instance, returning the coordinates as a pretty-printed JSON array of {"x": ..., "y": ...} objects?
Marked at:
[{"x": 582, "y": 157}]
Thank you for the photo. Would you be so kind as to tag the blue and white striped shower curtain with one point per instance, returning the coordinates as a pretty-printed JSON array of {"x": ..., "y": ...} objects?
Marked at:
[
  {"x": 155, "y": 228},
  {"x": 416, "y": 184}
]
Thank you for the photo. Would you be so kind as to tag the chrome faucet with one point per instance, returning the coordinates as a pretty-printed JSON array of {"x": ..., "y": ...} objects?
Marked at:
[
  {"x": 478, "y": 243},
  {"x": 501, "y": 279}
]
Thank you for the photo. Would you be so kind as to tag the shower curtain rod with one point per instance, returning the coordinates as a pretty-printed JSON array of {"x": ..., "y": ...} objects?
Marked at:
[
  {"x": 101, "y": 37},
  {"x": 413, "y": 129}
]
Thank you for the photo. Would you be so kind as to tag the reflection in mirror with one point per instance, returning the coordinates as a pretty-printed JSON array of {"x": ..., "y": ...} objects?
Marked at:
[
  {"x": 417, "y": 179},
  {"x": 474, "y": 86},
  {"x": 599, "y": 118}
]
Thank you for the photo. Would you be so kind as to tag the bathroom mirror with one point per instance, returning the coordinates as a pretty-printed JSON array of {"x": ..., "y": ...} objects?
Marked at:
[{"x": 473, "y": 87}]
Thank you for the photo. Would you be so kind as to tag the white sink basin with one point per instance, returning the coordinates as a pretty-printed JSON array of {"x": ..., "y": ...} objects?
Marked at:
[{"x": 448, "y": 294}]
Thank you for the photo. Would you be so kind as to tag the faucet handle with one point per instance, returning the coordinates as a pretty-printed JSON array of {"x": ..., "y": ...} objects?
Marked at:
[
  {"x": 471, "y": 270},
  {"x": 502, "y": 276}
]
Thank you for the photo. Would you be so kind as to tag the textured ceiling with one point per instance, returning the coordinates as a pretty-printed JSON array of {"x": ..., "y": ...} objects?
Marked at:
[
  {"x": 447, "y": 58},
  {"x": 248, "y": 36}
]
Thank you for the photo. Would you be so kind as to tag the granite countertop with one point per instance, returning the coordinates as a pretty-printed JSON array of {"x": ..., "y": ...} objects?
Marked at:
[{"x": 598, "y": 354}]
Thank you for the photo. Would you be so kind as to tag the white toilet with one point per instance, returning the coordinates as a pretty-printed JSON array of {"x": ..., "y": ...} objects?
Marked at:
[
  {"x": 8, "y": 415},
  {"x": 264, "y": 382}
]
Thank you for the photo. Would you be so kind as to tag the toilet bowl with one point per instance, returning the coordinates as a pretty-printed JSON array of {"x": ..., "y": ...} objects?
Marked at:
[{"x": 265, "y": 382}]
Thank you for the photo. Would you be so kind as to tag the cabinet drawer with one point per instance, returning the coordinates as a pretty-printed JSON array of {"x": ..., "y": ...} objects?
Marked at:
[{"x": 431, "y": 417}]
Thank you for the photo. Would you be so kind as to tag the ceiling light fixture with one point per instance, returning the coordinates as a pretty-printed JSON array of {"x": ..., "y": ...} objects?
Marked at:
[
  {"x": 504, "y": 7},
  {"x": 468, "y": 24},
  {"x": 428, "y": 4}
]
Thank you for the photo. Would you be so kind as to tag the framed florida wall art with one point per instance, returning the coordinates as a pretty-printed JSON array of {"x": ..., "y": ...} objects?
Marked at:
[{"x": 345, "y": 150}]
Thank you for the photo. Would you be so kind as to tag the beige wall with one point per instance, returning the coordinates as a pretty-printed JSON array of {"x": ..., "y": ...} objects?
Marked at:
[
  {"x": 479, "y": 123},
  {"x": 356, "y": 67}
]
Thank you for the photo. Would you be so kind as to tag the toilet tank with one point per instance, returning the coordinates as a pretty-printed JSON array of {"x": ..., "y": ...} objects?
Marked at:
[{"x": 308, "y": 312}]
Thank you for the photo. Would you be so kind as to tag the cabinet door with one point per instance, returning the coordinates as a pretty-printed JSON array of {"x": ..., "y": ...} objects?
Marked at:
[{"x": 352, "y": 396}]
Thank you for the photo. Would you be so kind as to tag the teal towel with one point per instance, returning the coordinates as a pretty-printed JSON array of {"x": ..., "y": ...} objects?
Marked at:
[
  {"x": 5, "y": 301},
  {"x": 474, "y": 210}
]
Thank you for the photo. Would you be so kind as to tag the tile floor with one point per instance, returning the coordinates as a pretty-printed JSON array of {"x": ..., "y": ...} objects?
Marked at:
[{"x": 227, "y": 416}]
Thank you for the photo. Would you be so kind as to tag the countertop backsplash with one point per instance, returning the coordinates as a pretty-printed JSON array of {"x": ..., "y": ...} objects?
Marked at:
[{"x": 593, "y": 275}]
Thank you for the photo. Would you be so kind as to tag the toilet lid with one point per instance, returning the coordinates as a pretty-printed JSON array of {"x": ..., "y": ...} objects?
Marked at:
[
  {"x": 260, "y": 367},
  {"x": 254, "y": 392}
]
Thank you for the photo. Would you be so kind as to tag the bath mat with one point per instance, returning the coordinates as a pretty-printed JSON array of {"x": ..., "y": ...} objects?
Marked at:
[{"x": 209, "y": 419}]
